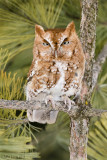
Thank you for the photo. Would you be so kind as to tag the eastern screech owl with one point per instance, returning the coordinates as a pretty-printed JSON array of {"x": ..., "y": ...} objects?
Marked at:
[{"x": 57, "y": 69}]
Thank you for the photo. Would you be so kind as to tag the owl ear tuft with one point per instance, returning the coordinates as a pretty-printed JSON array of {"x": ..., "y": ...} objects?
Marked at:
[
  {"x": 39, "y": 30},
  {"x": 70, "y": 27}
]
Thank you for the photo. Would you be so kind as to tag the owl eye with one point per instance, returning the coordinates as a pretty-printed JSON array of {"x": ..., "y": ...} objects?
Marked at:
[
  {"x": 65, "y": 42},
  {"x": 45, "y": 44}
]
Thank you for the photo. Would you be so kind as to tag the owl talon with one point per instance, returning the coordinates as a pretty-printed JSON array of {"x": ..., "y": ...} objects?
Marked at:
[
  {"x": 69, "y": 103},
  {"x": 50, "y": 98}
]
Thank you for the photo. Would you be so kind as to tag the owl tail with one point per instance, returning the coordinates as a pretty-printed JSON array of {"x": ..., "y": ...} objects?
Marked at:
[{"x": 42, "y": 116}]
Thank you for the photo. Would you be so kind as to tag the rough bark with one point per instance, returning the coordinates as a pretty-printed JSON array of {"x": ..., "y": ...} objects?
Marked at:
[
  {"x": 78, "y": 140},
  {"x": 79, "y": 126},
  {"x": 75, "y": 112},
  {"x": 88, "y": 38}
]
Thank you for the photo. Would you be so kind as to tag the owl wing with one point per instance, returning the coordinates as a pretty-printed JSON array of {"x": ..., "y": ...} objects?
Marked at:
[{"x": 41, "y": 78}]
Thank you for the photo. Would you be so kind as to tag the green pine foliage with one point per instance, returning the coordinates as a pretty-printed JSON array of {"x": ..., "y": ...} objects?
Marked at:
[
  {"x": 17, "y": 31},
  {"x": 97, "y": 143},
  {"x": 18, "y": 147},
  {"x": 99, "y": 97},
  {"x": 54, "y": 140},
  {"x": 13, "y": 129}
]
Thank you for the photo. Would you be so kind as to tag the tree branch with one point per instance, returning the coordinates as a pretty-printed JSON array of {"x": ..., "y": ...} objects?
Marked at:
[
  {"x": 79, "y": 126},
  {"x": 98, "y": 65},
  {"x": 88, "y": 38},
  {"x": 75, "y": 112}
]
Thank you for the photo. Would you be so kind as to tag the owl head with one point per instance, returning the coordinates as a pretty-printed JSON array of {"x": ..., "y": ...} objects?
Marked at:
[{"x": 55, "y": 44}]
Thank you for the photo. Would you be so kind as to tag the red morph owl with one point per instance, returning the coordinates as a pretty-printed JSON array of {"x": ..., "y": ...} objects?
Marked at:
[{"x": 56, "y": 71}]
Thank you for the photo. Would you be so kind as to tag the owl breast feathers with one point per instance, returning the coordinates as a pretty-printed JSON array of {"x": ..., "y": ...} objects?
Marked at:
[{"x": 57, "y": 69}]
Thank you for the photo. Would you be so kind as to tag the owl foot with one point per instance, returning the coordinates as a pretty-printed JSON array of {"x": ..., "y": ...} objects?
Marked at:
[
  {"x": 50, "y": 99},
  {"x": 69, "y": 103}
]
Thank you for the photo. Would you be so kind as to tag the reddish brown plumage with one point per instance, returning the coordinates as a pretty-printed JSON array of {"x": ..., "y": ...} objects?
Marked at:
[{"x": 58, "y": 64}]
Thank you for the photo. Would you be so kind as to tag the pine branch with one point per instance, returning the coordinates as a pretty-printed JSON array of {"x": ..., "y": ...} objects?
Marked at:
[
  {"x": 98, "y": 65},
  {"x": 75, "y": 112},
  {"x": 14, "y": 122},
  {"x": 79, "y": 114}
]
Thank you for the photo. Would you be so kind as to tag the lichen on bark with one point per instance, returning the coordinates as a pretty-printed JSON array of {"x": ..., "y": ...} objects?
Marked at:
[
  {"x": 88, "y": 38},
  {"x": 79, "y": 127}
]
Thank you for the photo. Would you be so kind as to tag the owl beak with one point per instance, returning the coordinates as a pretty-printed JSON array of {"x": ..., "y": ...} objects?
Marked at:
[{"x": 56, "y": 54}]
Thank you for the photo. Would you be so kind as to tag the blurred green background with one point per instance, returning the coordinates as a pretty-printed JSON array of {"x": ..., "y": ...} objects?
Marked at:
[{"x": 17, "y": 31}]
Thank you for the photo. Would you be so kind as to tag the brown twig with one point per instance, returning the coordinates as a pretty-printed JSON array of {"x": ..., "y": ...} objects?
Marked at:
[
  {"x": 76, "y": 111},
  {"x": 98, "y": 65}
]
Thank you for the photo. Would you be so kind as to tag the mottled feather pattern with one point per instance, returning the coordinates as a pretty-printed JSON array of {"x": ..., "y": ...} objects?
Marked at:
[{"x": 57, "y": 68}]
